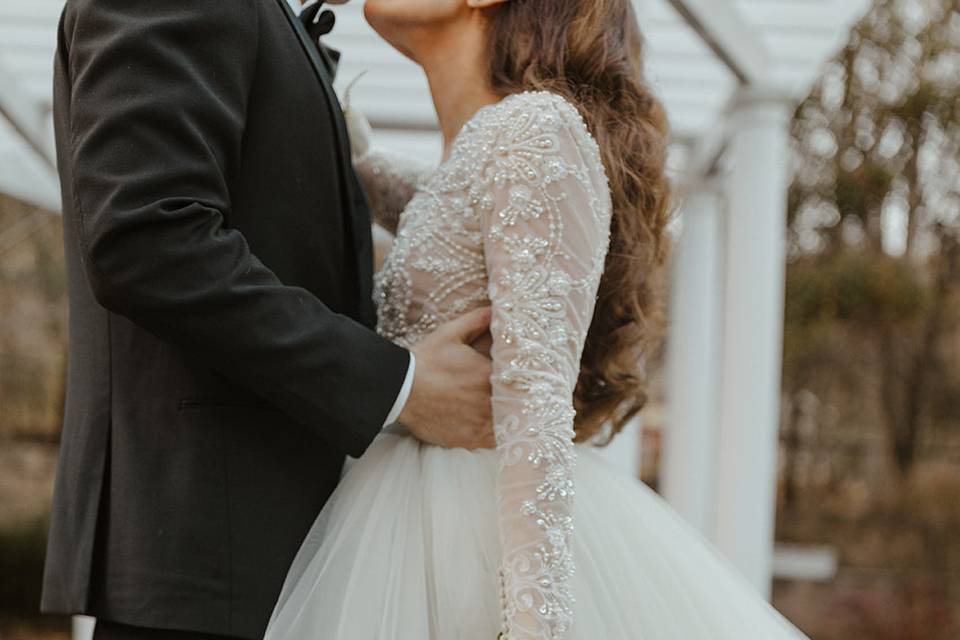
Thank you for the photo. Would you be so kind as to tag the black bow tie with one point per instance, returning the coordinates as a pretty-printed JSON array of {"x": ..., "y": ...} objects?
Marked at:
[{"x": 318, "y": 23}]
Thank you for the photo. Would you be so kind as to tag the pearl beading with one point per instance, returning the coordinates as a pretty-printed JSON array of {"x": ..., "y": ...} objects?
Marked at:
[{"x": 517, "y": 218}]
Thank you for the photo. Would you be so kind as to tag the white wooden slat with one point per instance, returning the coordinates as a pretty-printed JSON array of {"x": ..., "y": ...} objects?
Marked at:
[
  {"x": 30, "y": 35},
  {"x": 29, "y": 66},
  {"x": 728, "y": 34},
  {"x": 808, "y": 14},
  {"x": 27, "y": 11}
]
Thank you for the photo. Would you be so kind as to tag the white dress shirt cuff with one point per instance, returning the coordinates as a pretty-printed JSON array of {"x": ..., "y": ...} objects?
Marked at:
[{"x": 404, "y": 394}]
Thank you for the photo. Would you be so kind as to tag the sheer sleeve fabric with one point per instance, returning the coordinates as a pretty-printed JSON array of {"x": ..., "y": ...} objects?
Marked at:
[
  {"x": 390, "y": 180},
  {"x": 545, "y": 242}
]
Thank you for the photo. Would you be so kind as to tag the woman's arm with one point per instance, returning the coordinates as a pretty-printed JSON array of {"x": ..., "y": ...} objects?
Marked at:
[
  {"x": 390, "y": 179},
  {"x": 545, "y": 244}
]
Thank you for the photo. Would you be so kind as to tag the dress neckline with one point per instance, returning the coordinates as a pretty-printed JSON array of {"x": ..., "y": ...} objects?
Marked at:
[
  {"x": 481, "y": 112},
  {"x": 467, "y": 125}
]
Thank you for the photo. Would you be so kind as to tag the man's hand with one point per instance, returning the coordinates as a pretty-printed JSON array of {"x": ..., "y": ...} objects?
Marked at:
[{"x": 449, "y": 404}]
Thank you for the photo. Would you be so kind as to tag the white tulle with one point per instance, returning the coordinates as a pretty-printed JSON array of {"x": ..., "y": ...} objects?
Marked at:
[{"x": 408, "y": 549}]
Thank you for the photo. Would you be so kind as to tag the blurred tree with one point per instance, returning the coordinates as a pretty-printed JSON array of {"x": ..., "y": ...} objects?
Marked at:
[{"x": 875, "y": 216}]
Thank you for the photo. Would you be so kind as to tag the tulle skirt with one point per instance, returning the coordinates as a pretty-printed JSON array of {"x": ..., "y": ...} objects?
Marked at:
[{"x": 408, "y": 549}]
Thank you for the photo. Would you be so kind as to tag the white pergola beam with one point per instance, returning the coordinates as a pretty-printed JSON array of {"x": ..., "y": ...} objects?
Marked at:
[
  {"x": 707, "y": 151},
  {"x": 725, "y": 31}
]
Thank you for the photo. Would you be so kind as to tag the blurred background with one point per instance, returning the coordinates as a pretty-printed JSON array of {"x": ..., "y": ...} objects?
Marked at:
[{"x": 806, "y": 408}]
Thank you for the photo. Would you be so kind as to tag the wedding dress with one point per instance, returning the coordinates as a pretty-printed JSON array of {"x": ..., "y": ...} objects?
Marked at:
[{"x": 540, "y": 538}]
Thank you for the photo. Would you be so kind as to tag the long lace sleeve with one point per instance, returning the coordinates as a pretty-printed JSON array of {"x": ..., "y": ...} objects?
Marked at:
[
  {"x": 545, "y": 241},
  {"x": 390, "y": 180}
]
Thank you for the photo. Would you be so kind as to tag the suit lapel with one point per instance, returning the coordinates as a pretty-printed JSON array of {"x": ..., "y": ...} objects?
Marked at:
[
  {"x": 320, "y": 68},
  {"x": 357, "y": 214}
]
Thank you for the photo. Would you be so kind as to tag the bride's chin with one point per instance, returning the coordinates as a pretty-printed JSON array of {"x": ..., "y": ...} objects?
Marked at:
[
  {"x": 385, "y": 16},
  {"x": 386, "y": 11},
  {"x": 411, "y": 13}
]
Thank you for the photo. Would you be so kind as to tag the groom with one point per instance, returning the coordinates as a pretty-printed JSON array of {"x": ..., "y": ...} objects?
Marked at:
[{"x": 222, "y": 357}]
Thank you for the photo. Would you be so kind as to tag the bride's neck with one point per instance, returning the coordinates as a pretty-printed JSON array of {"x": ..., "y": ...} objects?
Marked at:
[{"x": 459, "y": 81}]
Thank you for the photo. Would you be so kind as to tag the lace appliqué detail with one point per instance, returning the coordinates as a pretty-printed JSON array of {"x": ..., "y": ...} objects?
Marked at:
[
  {"x": 517, "y": 218},
  {"x": 536, "y": 286}
]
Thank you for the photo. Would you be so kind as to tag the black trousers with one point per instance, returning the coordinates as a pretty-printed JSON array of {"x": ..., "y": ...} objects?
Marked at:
[{"x": 106, "y": 630}]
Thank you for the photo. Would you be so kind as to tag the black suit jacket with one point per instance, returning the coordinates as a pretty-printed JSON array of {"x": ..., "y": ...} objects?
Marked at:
[{"x": 221, "y": 357}]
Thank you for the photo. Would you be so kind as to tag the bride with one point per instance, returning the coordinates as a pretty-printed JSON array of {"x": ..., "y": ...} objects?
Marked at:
[{"x": 549, "y": 206}]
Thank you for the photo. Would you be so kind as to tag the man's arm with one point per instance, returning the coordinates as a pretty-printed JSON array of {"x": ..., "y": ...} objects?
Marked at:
[{"x": 158, "y": 101}]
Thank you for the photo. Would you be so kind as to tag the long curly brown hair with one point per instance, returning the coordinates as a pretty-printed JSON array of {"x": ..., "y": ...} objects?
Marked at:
[{"x": 591, "y": 53}]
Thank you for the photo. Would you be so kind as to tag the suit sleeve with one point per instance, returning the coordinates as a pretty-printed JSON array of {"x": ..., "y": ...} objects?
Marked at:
[{"x": 157, "y": 114}]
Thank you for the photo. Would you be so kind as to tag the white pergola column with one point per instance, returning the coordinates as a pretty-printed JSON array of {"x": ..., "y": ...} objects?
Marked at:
[
  {"x": 752, "y": 326},
  {"x": 692, "y": 349}
]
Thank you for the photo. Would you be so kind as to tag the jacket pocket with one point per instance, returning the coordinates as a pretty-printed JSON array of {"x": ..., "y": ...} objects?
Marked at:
[{"x": 187, "y": 404}]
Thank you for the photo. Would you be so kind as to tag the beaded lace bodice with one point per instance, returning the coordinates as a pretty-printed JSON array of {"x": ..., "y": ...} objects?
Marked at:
[{"x": 518, "y": 217}]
